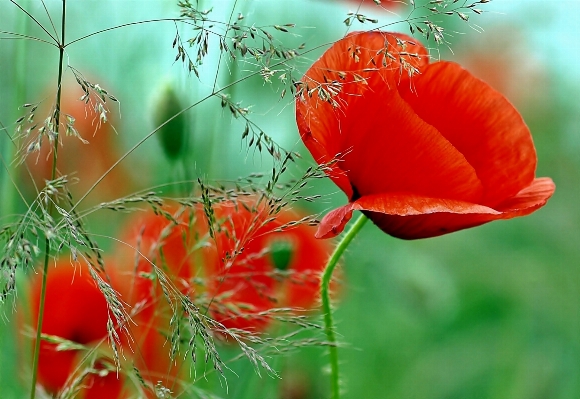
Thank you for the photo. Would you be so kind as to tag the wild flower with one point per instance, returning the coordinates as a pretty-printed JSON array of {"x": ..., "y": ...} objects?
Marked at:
[
  {"x": 261, "y": 262},
  {"x": 154, "y": 259},
  {"x": 146, "y": 342},
  {"x": 74, "y": 354},
  {"x": 423, "y": 149},
  {"x": 73, "y": 351},
  {"x": 159, "y": 242}
]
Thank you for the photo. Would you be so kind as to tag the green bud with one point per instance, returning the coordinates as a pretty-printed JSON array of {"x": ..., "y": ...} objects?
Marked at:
[
  {"x": 172, "y": 134},
  {"x": 281, "y": 252}
]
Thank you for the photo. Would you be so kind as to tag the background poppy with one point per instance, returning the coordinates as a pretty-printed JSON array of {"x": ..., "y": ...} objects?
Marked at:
[
  {"x": 75, "y": 310},
  {"x": 259, "y": 264},
  {"x": 163, "y": 238},
  {"x": 84, "y": 158},
  {"x": 154, "y": 259}
]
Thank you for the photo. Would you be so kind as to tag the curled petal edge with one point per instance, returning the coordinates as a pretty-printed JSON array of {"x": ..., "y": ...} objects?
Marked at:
[{"x": 400, "y": 205}]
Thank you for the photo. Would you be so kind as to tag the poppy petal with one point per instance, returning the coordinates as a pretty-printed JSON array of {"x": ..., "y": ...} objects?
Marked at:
[
  {"x": 436, "y": 221},
  {"x": 402, "y": 215},
  {"x": 480, "y": 122},
  {"x": 74, "y": 309},
  {"x": 529, "y": 199},
  {"x": 410, "y": 216},
  {"x": 333, "y": 223},
  {"x": 374, "y": 130},
  {"x": 355, "y": 64},
  {"x": 387, "y": 138}
]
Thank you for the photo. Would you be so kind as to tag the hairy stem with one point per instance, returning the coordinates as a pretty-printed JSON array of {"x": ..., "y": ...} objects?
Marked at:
[
  {"x": 50, "y": 207},
  {"x": 326, "y": 308}
]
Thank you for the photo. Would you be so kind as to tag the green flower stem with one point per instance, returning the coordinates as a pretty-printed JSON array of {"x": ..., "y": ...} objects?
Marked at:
[
  {"x": 50, "y": 208},
  {"x": 326, "y": 308}
]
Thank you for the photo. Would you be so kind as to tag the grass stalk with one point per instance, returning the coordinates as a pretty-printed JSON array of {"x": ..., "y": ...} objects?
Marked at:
[
  {"x": 50, "y": 207},
  {"x": 9, "y": 192}
]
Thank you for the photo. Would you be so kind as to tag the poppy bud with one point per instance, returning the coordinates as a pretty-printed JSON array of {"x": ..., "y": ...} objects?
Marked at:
[
  {"x": 281, "y": 252},
  {"x": 172, "y": 134}
]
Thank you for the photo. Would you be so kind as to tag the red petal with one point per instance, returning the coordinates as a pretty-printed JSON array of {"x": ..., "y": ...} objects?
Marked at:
[
  {"x": 354, "y": 64},
  {"x": 75, "y": 309},
  {"x": 529, "y": 199},
  {"x": 410, "y": 216},
  {"x": 54, "y": 367},
  {"x": 332, "y": 224},
  {"x": 108, "y": 386},
  {"x": 480, "y": 123},
  {"x": 393, "y": 150}
]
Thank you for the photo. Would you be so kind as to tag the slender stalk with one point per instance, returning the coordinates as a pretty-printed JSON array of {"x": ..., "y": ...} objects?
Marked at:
[
  {"x": 54, "y": 39},
  {"x": 326, "y": 308},
  {"x": 39, "y": 320},
  {"x": 218, "y": 123},
  {"x": 50, "y": 208},
  {"x": 8, "y": 188}
]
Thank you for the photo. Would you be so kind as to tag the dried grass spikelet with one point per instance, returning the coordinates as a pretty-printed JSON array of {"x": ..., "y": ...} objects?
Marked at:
[{"x": 87, "y": 146}]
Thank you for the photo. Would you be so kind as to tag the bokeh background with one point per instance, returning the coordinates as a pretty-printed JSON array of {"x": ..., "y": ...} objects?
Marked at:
[{"x": 491, "y": 312}]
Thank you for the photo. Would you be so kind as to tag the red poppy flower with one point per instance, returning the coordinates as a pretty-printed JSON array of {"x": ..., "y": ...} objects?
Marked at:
[
  {"x": 75, "y": 310},
  {"x": 423, "y": 149},
  {"x": 149, "y": 328},
  {"x": 154, "y": 239},
  {"x": 260, "y": 264},
  {"x": 151, "y": 238}
]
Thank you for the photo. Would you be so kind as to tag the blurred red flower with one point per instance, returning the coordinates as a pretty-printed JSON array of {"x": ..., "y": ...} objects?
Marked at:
[
  {"x": 260, "y": 263},
  {"x": 147, "y": 342},
  {"x": 85, "y": 161},
  {"x": 423, "y": 149},
  {"x": 164, "y": 240},
  {"x": 75, "y": 310}
]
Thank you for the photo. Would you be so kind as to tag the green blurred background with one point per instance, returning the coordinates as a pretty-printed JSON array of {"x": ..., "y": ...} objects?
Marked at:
[{"x": 491, "y": 312}]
